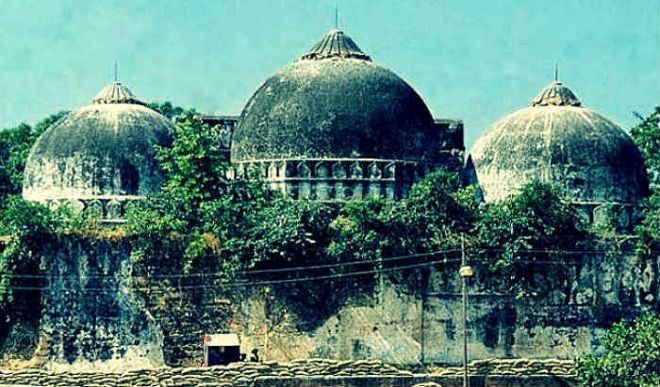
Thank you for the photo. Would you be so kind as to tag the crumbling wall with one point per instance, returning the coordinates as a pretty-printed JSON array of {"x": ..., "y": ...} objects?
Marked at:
[
  {"x": 91, "y": 315},
  {"x": 406, "y": 327},
  {"x": 185, "y": 308},
  {"x": 98, "y": 307},
  {"x": 101, "y": 309}
]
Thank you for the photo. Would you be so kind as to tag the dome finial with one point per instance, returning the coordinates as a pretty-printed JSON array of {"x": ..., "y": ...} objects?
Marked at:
[
  {"x": 556, "y": 72},
  {"x": 555, "y": 94},
  {"x": 335, "y": 44},
  {"x": 116, "y": 92}
]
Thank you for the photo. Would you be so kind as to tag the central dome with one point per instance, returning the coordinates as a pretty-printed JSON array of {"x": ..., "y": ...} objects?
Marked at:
[{"x": 333, "y": 102}]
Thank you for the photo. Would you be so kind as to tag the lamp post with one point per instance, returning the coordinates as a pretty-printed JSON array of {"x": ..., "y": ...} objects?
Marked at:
[{"x": 465, "y": 272}]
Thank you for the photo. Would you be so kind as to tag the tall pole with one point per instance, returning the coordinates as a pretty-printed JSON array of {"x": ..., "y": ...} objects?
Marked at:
[
  {"x": 336, "y": 17},
  {"x": 421, "y": 328},
  {"x": 465, "y": 331},
  {"x": 465, "y": 272}
]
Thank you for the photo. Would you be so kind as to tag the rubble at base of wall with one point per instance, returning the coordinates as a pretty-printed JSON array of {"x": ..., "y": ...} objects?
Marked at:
[{"x": 312, "y": 372}]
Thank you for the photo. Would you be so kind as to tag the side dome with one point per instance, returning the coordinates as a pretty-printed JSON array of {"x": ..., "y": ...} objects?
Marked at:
[
  {"x": 556, "y": 140},
  {"x": 333, "y": 102},
  {"x": 99, "y": 154}
]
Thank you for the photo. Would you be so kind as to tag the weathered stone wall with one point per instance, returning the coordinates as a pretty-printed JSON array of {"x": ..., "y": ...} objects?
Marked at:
[
  {"x": 185, "y": 309},
  {"x": 91, "y": 314},
  {"x": 314, "y": 372},
  {"x": 404, "y": 328},
  {"x": 98, "y": 308},
  {"x": 98, "y": 311}
]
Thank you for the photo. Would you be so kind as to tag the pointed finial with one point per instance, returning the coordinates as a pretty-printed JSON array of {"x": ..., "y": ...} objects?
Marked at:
[
  {"x": 334, "y": 43},
  {"x": 116, "y": 71},
  {"x": 336, "y": 17},
  {"x": 556, "y": 72}
]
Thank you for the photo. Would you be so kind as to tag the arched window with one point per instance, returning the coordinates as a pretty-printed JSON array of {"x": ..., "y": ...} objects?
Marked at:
[{"x": 130, "y": 179}]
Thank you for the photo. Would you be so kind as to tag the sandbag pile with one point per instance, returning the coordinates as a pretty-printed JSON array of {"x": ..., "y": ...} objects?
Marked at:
[{"x": 245, "y": 374}]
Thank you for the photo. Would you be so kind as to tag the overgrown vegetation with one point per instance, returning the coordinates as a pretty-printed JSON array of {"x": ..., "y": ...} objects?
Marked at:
[
  {"x": 631, "y": 359},
  {"x": 203, "y": 221},
  {"x": 28, "y": 224},
  {"x": 524, "y": 243},
  {"x": 15, "y": 145},
  {"x": 647, "y": 138}
]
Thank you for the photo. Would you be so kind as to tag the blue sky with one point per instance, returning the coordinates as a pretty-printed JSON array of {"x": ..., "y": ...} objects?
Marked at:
[{"x": 474, "y": 60}]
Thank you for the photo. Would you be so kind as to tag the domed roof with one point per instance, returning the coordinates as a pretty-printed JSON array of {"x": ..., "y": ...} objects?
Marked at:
[
  {"x": 556, "y": 140},
  {"x": 102, "y": 149},
  {"x": 333, "y": 102}
]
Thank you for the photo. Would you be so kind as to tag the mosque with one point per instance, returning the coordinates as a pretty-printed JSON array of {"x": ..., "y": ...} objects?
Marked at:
[{"x": 333, "y": 125}]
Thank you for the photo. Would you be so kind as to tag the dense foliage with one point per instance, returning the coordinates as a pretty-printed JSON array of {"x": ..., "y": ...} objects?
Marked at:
[
  {"x": 15, "y": 145},
  {"x": 430, "y": 219},
  {"x": 632, "y": 357},
  {"x": 199, "y": 211},
  {"x": 169, "y": 110},
  {"x": 521, "y": 242},
  {"x": 28, "y": 224},
  {"x": 647, "y": 138},
  {"x": 648, "y": 231},
  {"x": 427, "y": 226}
]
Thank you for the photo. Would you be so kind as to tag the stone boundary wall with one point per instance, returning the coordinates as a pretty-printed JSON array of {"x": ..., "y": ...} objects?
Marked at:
[{"x": 313, "y": 372}]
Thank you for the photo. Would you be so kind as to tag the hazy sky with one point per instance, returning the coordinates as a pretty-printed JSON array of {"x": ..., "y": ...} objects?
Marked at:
[{"x": 474, "y": 60}]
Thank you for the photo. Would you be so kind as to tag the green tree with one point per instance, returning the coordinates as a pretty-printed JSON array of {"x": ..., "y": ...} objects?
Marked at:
[
  {"x": 28, "y": 229},
  {"x": 286, "y": 234},
  {"x": 15, "y": 146},
  {"x": 196, "y": 164},
  {"x": 421, "y": 227},
  {"x": 362, "y": 230},
  {"x": 519, "y": 241},
  {"x": 437, "y": 213},
  {"x": 631, "y": 359},
  {"x": 200, "y": 213},
  {"x": 169, "y": 110},
  {"x": 433, "y": 216},
  {"x": 647, "y": 137},
  {"x": 648, "y": 230}
]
